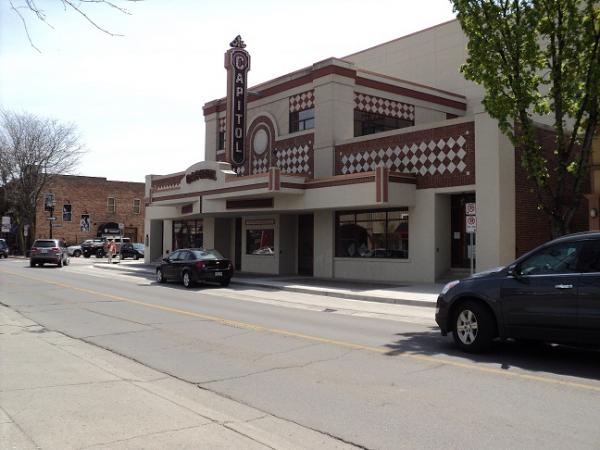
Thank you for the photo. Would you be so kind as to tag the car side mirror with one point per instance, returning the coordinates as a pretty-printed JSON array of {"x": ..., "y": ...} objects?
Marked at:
[{"x": 515, "y": 271}]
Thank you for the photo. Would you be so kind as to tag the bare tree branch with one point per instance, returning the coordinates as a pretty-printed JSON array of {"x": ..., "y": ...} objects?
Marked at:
[{"x": 32, "y": 151}]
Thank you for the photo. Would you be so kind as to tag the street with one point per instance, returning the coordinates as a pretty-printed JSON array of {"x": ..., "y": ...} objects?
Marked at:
[{"x": 371, "y": 376}]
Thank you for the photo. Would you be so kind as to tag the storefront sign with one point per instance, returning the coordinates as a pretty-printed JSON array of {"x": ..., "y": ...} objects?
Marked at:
[
  {"x": 204, "y": 174},
  {"x": 237, "y": 63}
]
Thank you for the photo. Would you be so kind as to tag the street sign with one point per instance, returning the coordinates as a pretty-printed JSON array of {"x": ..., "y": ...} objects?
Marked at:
[
  {"x": 121, "y": 226},
  {"x": 470, "y": 209},
  {"x": 5, "y": 228},
  {"x": 471, "y": 224},
  {"x": 57, "y": 225}
]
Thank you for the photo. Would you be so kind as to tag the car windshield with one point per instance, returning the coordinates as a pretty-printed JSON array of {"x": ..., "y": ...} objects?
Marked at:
[
  {"x": 45, "y": 244},
  {"x": 207, "y": 254}
]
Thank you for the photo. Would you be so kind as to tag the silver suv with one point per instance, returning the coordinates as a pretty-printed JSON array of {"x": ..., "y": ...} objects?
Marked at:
[{"x": 53, "y": 251}]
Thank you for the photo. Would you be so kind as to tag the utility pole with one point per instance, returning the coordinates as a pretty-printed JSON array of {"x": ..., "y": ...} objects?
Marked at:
[{"x": 51, "y": 218}]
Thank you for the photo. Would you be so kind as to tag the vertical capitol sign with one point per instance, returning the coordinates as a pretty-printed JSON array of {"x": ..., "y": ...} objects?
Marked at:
[{"x": 237, "y": 63}]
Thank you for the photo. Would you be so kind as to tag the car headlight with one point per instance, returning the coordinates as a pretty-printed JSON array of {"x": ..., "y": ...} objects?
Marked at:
[{"x": 449, "y": 286}]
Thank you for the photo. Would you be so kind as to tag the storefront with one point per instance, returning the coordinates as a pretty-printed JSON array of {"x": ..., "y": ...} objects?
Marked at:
[{"x": 346, "y": 170}]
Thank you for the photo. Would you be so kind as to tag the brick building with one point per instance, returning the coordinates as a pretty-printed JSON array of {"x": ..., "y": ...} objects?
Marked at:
[
  {"x": 86, "y": 207},
  {"x": 363, "y": 167}
]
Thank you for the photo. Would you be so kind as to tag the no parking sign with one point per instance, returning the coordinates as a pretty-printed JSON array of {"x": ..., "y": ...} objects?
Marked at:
[{"x": 471, "y": 224}]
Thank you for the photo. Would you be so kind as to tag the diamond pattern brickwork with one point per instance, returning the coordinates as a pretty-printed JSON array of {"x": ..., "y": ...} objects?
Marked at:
[
  {"x": 300, "y": 102},
  {"x": 439, "y": 157},
  {"x": 385, "y": 107},
  {"x": 295, "y": 156}
]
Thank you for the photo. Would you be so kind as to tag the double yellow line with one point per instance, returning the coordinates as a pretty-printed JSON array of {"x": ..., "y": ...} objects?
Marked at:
[{"x": 321, "y": 340}]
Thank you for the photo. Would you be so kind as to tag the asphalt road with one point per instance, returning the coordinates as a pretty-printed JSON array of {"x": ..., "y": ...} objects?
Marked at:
[{"x": 373, "y": 382}]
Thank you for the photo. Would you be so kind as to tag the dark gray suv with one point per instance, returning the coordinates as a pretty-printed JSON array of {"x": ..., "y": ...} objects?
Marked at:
[
  {"x": 53, "y": 251},
  {"x": 550, "y": 294},
  {"x": 3, "y": 249}
]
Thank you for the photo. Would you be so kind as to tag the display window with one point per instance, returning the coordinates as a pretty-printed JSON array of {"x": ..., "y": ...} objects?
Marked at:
[
  {"x": 187, "y": 234},
  {"x": 372, "y": 234},
  {"x": 260, "y": 242}
]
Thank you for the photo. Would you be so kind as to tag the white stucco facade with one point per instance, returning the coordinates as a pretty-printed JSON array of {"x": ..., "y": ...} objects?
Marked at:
[{"x": 288, "y": 208}]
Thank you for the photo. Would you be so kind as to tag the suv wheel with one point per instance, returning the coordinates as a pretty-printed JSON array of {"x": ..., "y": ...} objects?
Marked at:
[
  {"x": 60, "y": 262},
  {"x": 99, "y": 253},
  {"x": 77, "y": 253},
  {"x": 32, "y": 264},
  {"x": 474, "y": 327}
]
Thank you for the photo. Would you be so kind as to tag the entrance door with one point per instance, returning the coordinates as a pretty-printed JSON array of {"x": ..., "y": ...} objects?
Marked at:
[
  {"x": 305, "y": 244},
  {"x": 238, "y": 243},
  {"x": 460, "y": 239}
]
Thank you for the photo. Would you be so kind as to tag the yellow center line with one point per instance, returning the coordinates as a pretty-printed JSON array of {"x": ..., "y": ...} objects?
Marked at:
[{"x": 344, "y": 344}]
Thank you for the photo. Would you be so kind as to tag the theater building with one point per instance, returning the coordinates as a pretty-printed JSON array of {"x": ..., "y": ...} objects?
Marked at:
[{"x": 363, "y": 167}]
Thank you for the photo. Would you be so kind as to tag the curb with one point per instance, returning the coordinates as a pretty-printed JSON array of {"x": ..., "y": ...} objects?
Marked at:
[
  {"x": 301, "y": 290},
  {"x": 348, "y": 296}
]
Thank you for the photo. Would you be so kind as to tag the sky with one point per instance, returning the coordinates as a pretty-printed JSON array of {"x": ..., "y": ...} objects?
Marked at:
[{"x": 137, "y": 99}]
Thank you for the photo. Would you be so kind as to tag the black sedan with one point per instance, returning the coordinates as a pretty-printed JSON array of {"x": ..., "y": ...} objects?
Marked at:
[
  {"x": 195, "y": 265},
  {"x": 550, "y": 294},
  {"x": 129, "y": 250}
]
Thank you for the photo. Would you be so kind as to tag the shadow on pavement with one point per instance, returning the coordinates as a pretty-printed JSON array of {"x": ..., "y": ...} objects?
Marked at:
[{"x": 580, "y": 362}]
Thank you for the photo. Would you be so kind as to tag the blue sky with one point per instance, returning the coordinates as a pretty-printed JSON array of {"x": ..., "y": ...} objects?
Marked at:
[{"x": 137, "y": 99}]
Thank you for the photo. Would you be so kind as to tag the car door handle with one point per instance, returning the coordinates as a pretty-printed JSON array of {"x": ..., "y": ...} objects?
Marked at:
[{"x": 564, "y": 286}]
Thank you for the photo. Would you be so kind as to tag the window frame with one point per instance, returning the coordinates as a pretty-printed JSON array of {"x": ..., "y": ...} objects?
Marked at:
[
  {"x": 114, "y": 205},
  {"x": 139, "y": 206},
  {"x": 296, "y": 124},
  {"x": 250, "y": 252},
  {"x": 70, "y": 213},
  {"x": 380, "y": 123},
  {"x": 388, "y": 251}
]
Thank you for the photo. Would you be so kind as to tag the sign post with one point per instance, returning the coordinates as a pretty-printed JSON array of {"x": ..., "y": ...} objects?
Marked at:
[{"x": 471, "y": 229}]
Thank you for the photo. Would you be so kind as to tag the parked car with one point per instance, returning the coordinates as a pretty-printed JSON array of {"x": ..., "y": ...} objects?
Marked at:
[
  {"x": 93, "y": 247},
  {"x": 194, "y": 265},
  {"x": 3, "y": 249},
  {"x": 75, "y": 250},
  {"x": 550, "y": 294},
  {"x": 53, "y": 251},
  {"x": 129, "y": 250}
]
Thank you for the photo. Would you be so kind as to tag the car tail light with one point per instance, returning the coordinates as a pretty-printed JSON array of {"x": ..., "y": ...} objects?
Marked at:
[
  {"x": 200, "y": 265},
  {"x": 34, "y": 250},
  {"x": 56, "y": 249}
]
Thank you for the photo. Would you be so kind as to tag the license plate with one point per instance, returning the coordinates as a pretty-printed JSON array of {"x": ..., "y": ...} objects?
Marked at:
[
  {"x": 44, "y": 250},
  {"x": 218, "y": 274}
]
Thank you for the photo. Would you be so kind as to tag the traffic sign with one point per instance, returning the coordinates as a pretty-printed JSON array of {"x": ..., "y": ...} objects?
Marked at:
[
  {"x": 471, "y": 224},
  {"x": 470, "y": 209}
]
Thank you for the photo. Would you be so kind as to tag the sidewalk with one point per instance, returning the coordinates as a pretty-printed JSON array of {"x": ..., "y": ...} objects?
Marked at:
[
  {"x": 401, "y": 294},
  {"x": 62, "y": 393}
]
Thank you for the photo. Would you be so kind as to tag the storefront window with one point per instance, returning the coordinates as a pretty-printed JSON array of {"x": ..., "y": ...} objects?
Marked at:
[
  {"x": 260, "y": 242},
  {"x": 372, "y": 234},
  {"x": 187, "y": 234}
]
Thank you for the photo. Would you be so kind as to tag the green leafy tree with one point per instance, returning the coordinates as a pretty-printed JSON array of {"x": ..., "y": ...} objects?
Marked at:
[{"x": 539, "y": 60}]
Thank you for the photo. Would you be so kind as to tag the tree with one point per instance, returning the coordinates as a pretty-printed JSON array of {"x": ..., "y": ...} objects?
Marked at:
[
  {"x": 30, "y": 6},
  {"x": 540, "y": 60},
  {"x": 32, "y": 151}
]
